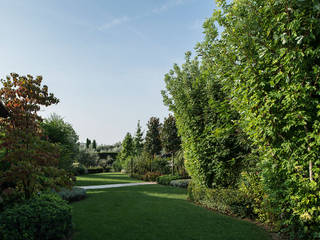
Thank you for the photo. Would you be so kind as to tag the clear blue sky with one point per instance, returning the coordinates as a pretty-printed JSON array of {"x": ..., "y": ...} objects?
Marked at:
[{"x": 105, "y": 60}]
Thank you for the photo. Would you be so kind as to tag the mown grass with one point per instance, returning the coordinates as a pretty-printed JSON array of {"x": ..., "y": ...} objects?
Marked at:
[
  {"x": 103, "y": 178},
  {"x": 154, "y": 212}
]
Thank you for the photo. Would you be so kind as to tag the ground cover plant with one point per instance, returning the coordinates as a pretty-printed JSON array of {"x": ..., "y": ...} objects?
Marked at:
[
  {"x": 153, "y": 212},
  {"x": 104, "y": 178}
]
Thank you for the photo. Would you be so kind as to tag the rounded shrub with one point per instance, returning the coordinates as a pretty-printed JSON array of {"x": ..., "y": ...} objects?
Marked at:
[{"x": 44, "y": 217}]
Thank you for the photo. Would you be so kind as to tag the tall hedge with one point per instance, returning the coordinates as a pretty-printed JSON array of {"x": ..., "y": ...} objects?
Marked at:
[
  {"x": 210, "y": 138},
  {"x": 268, "y": 58}
]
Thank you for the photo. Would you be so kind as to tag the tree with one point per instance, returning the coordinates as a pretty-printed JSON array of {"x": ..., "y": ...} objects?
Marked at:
[
  {"x": 64, "y": 136},
  {"x": 30, "y": 164},
  {"x": 94, "y": 144},
  {"x": 127, "y": 151},
  {"x": 212, "y": 142},
  {"x": 88, "y": 143},
  {"x": 138, "y": 140},
  {"x": 169, "y": 135},
  {"x": 153, "y": 140}
]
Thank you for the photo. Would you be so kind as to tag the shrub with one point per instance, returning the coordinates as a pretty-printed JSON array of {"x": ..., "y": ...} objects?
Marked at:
[
  {"x": 116, "y": 166},
  {"x": 95, "y": 170},
  {"x": 75, "y": 194},
  {"x": 166, "y": 179},
  {"x": 45, "y": 217},
  {"x": 182, "y": 183},
  {"x": 79, "y": 170},
  {"x": 151, "y": 176},
  {"x": 225, "y": 200}
]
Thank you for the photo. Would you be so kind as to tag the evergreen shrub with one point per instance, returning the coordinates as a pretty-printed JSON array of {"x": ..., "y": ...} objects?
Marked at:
[{"x": 44, "y": 217}]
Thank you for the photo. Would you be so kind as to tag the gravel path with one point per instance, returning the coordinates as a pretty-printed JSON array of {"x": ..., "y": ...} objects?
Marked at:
[{"x": 116, "y": 185}]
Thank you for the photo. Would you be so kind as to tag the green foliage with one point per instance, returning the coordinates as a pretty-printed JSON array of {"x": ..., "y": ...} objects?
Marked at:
[
  {"x": 88, "y": 143},
  {"x": 225, "y": 200},
  {"x": 116, "y": 165},
  {"x": 72, "y": 195},
  {"x": 30, "y": 163},
  {"x": 268, "y": 59},
  {"x": 88, "y": 159},
  {"x": 138, "y": 140},
  {"x": 151, "y": 176},
  {"x": 182, "y": 183},
  {"x": 152, "y": 141},
  {"x": 79, "y": 170},
  {"x": 166, "y": 179},
  {"x": 169, "y": 135},
  {"x": 213, "y": 144},
  {"x": 127, "y": 151},
  {"x": 94, "y": 144},
  {"x": 45, "y": 217},
  {"x": 64, "y": 136}
]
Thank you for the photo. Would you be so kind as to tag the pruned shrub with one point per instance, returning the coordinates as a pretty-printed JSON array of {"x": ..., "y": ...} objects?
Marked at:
[
  {"x": 166, "y": 179},
  {"x": 44, "y": 217},
  {"x": 225, "y": 200},
  {"x": 79, "y": 170},
  {"x": 95, "y": 170},
  {"x": 182, "y": 183},
  {"x": 72, "y": 195},
  {"x": 151, "y": 176}
]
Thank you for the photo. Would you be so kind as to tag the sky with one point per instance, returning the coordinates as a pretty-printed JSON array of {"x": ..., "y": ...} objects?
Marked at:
[{"x": 105, "y": 60}]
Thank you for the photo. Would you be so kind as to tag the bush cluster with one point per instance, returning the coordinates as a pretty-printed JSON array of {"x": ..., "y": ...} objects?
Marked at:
[
  {"x": 151, "y": 176},
  {"x": 166, "y": 179},
  {"x": 75, "y": 194},
  {"x": 79, "y": 170},
  {"x": 182, "y": 183},
  {"x": 225, "y": 200},
  {"x": 44, "y": 217}
]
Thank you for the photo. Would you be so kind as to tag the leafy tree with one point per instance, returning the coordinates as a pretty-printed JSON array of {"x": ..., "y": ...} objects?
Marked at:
[
  {"x": 64, "y": 136},
  {"x": 30, "y": 163},
  {"x": 152, "y": 139},
  {"x": 169, "y": 135},
  {"x": 88, "y": 159},
  {"x": 268, "y": 58},
  {"x": 138, "y": 140},
  {"x": 127, "y": 149},
  {"x": 212, "y": 143},
  {"x": 88, "y": 143},
  {"x": 94, "y": 144}
]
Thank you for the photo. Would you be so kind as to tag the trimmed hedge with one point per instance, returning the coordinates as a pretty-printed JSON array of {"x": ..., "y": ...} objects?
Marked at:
[
  {"x": 225, "y": 200},
  {"x": 166, "y": 179},
  {"x": 44, "y": 217},
  {"x": 75, "y": 194},
  {"x": 182, "y": 183}
]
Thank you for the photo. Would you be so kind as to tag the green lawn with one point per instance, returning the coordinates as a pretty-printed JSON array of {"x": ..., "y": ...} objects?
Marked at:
[
  {"x": 153, "y": 212},
  {"x": 103, "y": 178}
]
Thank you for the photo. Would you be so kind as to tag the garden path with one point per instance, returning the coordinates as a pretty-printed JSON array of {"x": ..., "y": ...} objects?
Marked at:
[{"x": 116, "y": 185}]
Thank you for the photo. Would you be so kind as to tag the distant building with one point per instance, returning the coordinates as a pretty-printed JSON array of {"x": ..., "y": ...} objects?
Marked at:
[{"x": 3, "y": 111}]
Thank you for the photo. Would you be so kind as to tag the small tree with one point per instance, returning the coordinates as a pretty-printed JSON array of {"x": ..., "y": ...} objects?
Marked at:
[
  {"x": 127, "y": 151},
  {"x": 152, "y": 140},
  {"x": 138, "y": 140},
  {"x": 30, "y": 163}
]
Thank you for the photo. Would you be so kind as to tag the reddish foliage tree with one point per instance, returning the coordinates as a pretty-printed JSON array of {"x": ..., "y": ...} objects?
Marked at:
[{"x": 29, "y": 163}]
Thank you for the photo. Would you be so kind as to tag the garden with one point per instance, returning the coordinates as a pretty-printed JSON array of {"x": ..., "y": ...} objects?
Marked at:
[{"x": 240, "y": 146}]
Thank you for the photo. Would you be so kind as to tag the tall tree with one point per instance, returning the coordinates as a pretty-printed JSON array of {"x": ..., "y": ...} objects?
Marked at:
[
  {"x": 30, "y": 163},
  {"x": 127, "y": 150},
  {"x": 94, "y": 144},
  {"x": 169, "y": 135},
  {"x": 152, "y": 140},
  {"x": 88, "y": 143},
  {"x": 138, "y": 139}
]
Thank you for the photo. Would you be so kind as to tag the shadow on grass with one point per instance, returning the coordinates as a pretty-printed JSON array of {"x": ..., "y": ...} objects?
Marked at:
[{"x": 154, "y": 212}]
